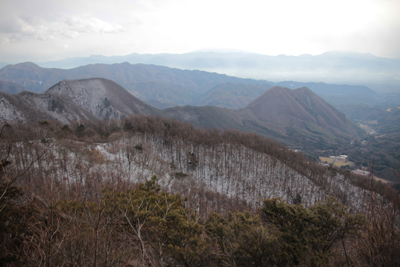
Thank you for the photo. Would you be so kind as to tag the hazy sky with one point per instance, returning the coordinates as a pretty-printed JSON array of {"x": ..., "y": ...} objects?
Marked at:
[{"x": 42, "y": 30}]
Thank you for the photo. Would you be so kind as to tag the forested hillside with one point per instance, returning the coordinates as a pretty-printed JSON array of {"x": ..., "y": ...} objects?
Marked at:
[{"x": 147, "y": 191}]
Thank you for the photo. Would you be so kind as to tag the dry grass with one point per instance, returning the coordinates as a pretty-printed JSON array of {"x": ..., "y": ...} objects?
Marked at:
[{"x": 338, "y": 163}]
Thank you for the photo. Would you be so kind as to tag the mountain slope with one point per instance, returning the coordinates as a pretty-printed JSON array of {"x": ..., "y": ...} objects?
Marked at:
[
  {"x": 338, "y": 95},
  {"x": 297, "y": 118},
  {"x": 286, "y": 106},
  {"x": 231, "y": 95},
  {"x": 283, "y": 109},
  {"x": 165, "y": 93},
  {"x": 207, "y": 116},
  {"x": 103, "y": 98},
  {"x": 30, "y": 107},
  {"x": 67, "y": 101},
  {"x": 11, "y": 88}
]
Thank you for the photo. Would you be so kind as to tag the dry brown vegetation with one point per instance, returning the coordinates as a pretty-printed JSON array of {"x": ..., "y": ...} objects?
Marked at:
[{"x": 102, "y": 218}]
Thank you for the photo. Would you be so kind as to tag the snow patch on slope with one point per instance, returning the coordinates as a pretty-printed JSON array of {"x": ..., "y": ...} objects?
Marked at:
[
  {"x": 8, "y": 112},
  {"x": 90, "y": 94}
]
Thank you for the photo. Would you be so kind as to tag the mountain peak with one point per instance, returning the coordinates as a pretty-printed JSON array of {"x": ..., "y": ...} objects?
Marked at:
[
  {"x": 69, "y": 100},
  {"x": 304, "y": 89},
  {"x": 103, "y": 98},
  {"x": 27, "y": 65},
  {"x": 273, "y": 94},
  {"x": 298, "y": 108}
]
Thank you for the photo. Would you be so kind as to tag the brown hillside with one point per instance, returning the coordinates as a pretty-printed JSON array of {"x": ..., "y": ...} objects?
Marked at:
[{"x": 298, "y": 108}]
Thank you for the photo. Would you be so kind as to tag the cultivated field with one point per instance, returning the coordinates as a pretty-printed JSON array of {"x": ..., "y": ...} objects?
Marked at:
[{"x": 338, "y": 162}]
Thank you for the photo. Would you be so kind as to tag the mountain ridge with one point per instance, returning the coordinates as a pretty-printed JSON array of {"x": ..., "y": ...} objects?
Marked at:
[
  {"x": 379, "y": 73},
  {"x": 183, "y": 85},
  {"x": 293, "y": 117},
  {"x": 159, "y": 84}
]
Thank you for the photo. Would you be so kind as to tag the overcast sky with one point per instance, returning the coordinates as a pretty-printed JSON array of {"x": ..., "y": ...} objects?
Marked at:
[{"x": 43, "y": 30}]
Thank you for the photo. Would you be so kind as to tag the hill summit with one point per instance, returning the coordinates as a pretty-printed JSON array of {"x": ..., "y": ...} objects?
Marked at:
[
  {"x": 296, "y": 108},
  {"x": 103, "y": 98}
]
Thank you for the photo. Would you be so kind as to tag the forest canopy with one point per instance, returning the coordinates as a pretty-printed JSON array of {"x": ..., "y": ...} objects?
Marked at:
[{"x": 103, "y": 219}]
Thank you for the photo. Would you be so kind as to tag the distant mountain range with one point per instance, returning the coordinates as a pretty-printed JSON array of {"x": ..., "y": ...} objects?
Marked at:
[
  {"x": 295, "y": 117},
  {"x": 332, "y": 67},
  {"x": 166, "y": 87},
  {"x": 149, "y": 82}
]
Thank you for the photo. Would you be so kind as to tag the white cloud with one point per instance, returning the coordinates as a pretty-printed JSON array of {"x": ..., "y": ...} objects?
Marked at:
[
  {"x": 43, "y": 27},
  {"x": 28, "y": 27}
]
